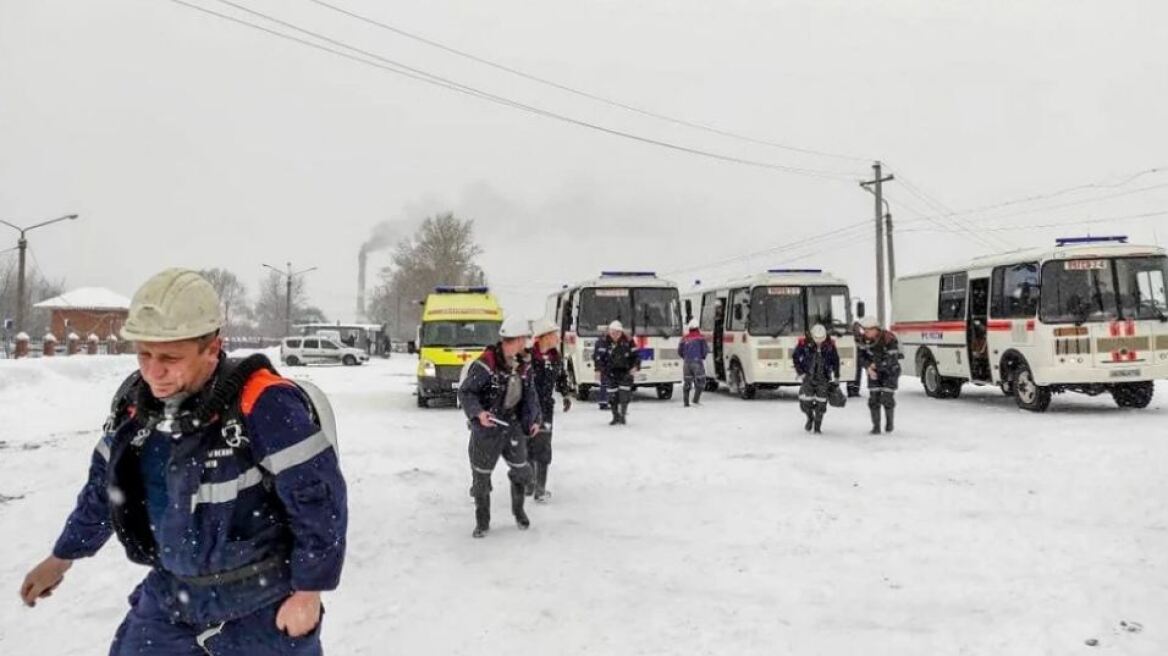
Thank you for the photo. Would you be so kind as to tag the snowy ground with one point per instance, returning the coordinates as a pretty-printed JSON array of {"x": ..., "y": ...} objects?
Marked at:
[{"x": 977, "y": 529}]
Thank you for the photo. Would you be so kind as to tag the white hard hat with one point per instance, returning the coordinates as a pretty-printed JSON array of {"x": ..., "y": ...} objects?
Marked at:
[
  {"x": 868, "y": 322},
  {"x": 616, "y": 326},
  {"x": 173, "y": 305},
  {"x": 818, "y": 333},
  {"x": 515, "y": 327},
  {"x": 543, "y": 327},
  {"x": 692, "y": 325}
]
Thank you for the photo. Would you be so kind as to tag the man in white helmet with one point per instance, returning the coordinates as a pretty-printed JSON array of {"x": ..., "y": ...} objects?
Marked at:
[
  {"x": 219, "y": 476},
  {"x": 617, "y": 358},
  {"x": 818, "y": 365},
  {"x": 499, "y": 399},
  {"x": 880, "y": 358},
  {"x": 693, "y": 351},
  {"x": 550, "y": 377}
]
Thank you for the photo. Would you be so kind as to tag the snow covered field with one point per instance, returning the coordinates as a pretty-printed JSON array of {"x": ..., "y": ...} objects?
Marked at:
[{"x": 725, "y": 529}]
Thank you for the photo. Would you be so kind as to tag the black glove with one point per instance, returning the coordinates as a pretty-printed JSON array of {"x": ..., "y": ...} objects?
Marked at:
[{"x": 567, "y": 404}]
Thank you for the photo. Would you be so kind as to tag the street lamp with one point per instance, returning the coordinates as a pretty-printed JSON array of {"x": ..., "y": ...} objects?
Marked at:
[
  {"x": 289, "y": 276},
  {"x": 22, "y": 246}
]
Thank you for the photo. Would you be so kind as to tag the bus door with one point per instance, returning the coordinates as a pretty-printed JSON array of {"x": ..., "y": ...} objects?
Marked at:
[
  {"x": 719, "y": 333},
  {"x": 977, "y": 335}
]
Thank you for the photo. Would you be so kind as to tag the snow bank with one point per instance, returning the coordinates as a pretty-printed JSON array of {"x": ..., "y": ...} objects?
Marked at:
[{"x": 47, "y": 399}]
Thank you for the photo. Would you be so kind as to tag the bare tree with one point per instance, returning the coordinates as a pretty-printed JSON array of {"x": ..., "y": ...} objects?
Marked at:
[
  {"x": 37, "y": 289},
  {"x": 441, "y": 252},
  {"x": 271, "y": 305},
  {"x": 232, "y": 292}
]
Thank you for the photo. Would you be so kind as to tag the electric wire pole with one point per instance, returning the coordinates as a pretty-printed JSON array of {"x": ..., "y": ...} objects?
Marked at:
[
  {"x": 877, "y": 189},
  {"x": 289, "y": 277},
  {"x": 22, "y": 246}
]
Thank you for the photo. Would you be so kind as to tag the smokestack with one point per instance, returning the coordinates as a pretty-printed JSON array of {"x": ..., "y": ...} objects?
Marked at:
[{"x": 362, "y": 260}]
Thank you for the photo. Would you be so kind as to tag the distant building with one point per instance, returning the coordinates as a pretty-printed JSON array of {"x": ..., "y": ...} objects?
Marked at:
[{"x": 86, "y": 311}]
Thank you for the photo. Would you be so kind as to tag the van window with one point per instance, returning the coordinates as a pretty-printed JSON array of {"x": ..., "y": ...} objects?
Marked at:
[
  {"x": 328, "y": 345},
  {"x": 292, "y": 343},
  {"x": 312, "y": 343},
  {"x": 739, "y": 309},
  {"x": 1015, "y": 291},
  {"x": 709, "y": 313},
  {"x": 951, "y": 298}
]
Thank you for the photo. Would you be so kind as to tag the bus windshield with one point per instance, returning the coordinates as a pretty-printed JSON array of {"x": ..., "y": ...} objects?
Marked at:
[
  {"x": 650, "y": 311},
  {"x": 657, "y": 312},
  {"x": 1142, "y": 287},
  {"x": 458, "y": 334},
  {"x": 829, "y": 306},
  {"x": 776, "y": 311},
  {"x": 1105, "y": 289}
]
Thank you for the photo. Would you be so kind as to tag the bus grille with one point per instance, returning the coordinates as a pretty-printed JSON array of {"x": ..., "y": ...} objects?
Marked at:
[
  {"x": 1080, "y": 346},
  {"x": 846, "y": 352},
  {"x": 449, "y": 372},
  {"x": 1162, "y": 343},
  {"x": 770, "y": 354},
  {"x": 1109, "y": 344},
  {"x": 667, "y": 354}
]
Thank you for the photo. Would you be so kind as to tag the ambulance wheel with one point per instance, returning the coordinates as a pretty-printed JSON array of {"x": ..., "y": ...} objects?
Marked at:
[
  {"x": 423, "y": 402},
  {"x": 1029, "y": 394},
  {"x": 292, "y": 361},
  {"x": 1133, "y": 395},
  {"x": 665, "y": 392}
]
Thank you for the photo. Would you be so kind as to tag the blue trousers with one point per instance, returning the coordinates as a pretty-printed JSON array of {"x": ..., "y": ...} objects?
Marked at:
[{"x": 148, "y": 631}]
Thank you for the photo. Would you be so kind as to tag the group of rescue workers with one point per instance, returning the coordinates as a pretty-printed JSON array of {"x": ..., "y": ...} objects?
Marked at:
[{"x": 224, "y": 479}]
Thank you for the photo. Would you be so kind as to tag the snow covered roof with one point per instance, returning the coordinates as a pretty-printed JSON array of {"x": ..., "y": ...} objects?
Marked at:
[{"x": 87, "y": 298}]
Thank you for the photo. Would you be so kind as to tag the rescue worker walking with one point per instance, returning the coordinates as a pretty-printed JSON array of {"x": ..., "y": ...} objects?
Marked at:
[
  {"x": 617, "y": 358},
  {"x": 498, "y": 396},
  {"x": 219, "y": 475},
  {"x": 693, "y": 351},
  {"x": 550, "y": 377},
  {"x": 880, "y": 357},
  {"x": 854, "y": 384},
  {"x": 818, "y": 365}
]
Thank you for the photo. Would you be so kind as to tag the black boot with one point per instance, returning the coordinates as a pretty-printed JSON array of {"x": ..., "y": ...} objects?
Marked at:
[
  {"x": 875, "y": 412},
  {"x": 616, "y": 413},
  {"x": 685, "y": 395},
  {"x": 810, "y": 421},
  {"x": 529, "y": 489},
  {"x": 625, "y": 397},
  {"x": 482, "y": 516},
  {"x": 818, "y": 427},
  {"x": 517, "y": 506},
  {"x": 888, "y": 412},
  {"x": 541, "y": 493},
  {"x": 698, "y": 393}
]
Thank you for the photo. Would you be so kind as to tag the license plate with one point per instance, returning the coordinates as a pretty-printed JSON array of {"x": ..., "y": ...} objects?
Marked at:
[{"x": 1126, "y": 373}]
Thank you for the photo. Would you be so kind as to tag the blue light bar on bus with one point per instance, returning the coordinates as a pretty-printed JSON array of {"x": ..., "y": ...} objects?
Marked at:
[
  {"x": 1070, "y": 241},
  {"x": 795, "y": 271},
  {"x": 627, "y": 274},
  {"x": 456, "y": 289}
]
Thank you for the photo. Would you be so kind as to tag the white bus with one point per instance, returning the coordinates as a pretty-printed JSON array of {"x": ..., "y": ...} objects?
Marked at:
[
  {"x": 649, "y": 308},
  {"x": 753, "y": 325},
  {"x": 1088, "y": 315}
]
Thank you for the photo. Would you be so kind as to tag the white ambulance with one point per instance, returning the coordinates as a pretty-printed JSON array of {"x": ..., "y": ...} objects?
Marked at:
[
  {"x": 1088, "y": 315},
  {"x": 753, "y": 325},
  {"x": 649, "y": 308}
]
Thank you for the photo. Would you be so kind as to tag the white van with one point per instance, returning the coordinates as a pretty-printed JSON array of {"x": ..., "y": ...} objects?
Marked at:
[{"x": 319, "y": 349}]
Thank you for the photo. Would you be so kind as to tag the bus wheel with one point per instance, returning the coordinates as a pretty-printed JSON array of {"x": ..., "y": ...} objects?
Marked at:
[
  {"x": 711, "y": 385},
  {"x": 1007, "y": 387},
  {"x": 738, "y": 384},
  {"x": 1029, "y": 394},
  {"x": 665, "y": 392},
  {"x": 932, "y": 381},
  {"x": 1133, "y": 395}
]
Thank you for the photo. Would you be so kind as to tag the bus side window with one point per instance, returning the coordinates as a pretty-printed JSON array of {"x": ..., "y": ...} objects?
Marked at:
[
  {"x": 1015, "y": 291},
  {"x": 569, "y": 312},
  {"x": 951, "y": 297},
  {"x": 709, "y": 311},
  {"x": 688, "y": 310}
]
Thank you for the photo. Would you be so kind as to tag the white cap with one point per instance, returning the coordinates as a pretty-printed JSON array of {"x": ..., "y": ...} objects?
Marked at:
[
  {"x": 616, "y": 326},
  {"x": 174, "y": 305},
  {"x": 692, "y": 325},
  {"x": 868, "y": 322},
  {"x": 515, "y": 327},
  {"x": 543, "y": 327},
  {"x": 818, "y": 333}
]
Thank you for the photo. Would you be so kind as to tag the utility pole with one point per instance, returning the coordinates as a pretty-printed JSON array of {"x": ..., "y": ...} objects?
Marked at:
[
  {"x": 289, "y": 277},
  {"x": 891, "y": 252},
  {"x": 22, "y": 247},
  {"x": 877, "y": 189}
]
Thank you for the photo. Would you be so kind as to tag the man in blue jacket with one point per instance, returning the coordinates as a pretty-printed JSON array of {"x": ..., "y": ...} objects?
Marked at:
[
  {"x": 693, "y": 351},
  {"x": 219, "y": 476},
  {"x": 499, "y": 398}
]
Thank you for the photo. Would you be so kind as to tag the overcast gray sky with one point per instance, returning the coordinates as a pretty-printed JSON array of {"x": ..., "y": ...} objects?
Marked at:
[{"x": 186, "y": 140}]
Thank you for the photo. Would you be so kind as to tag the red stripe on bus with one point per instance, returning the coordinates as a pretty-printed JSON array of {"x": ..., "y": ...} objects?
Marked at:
[{"x": 938, "y": 326}]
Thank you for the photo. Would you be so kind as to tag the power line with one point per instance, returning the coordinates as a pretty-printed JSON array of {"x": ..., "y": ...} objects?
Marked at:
[
  {"x": 1099, "y": 184},
  {"x": 1062, "y": 224},
  {"x": 429, "y": 78},
  {"x": 938, "y": 205},
  {"x": 577, "y": 92},
  {"x": 1084, "y": 201}
]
